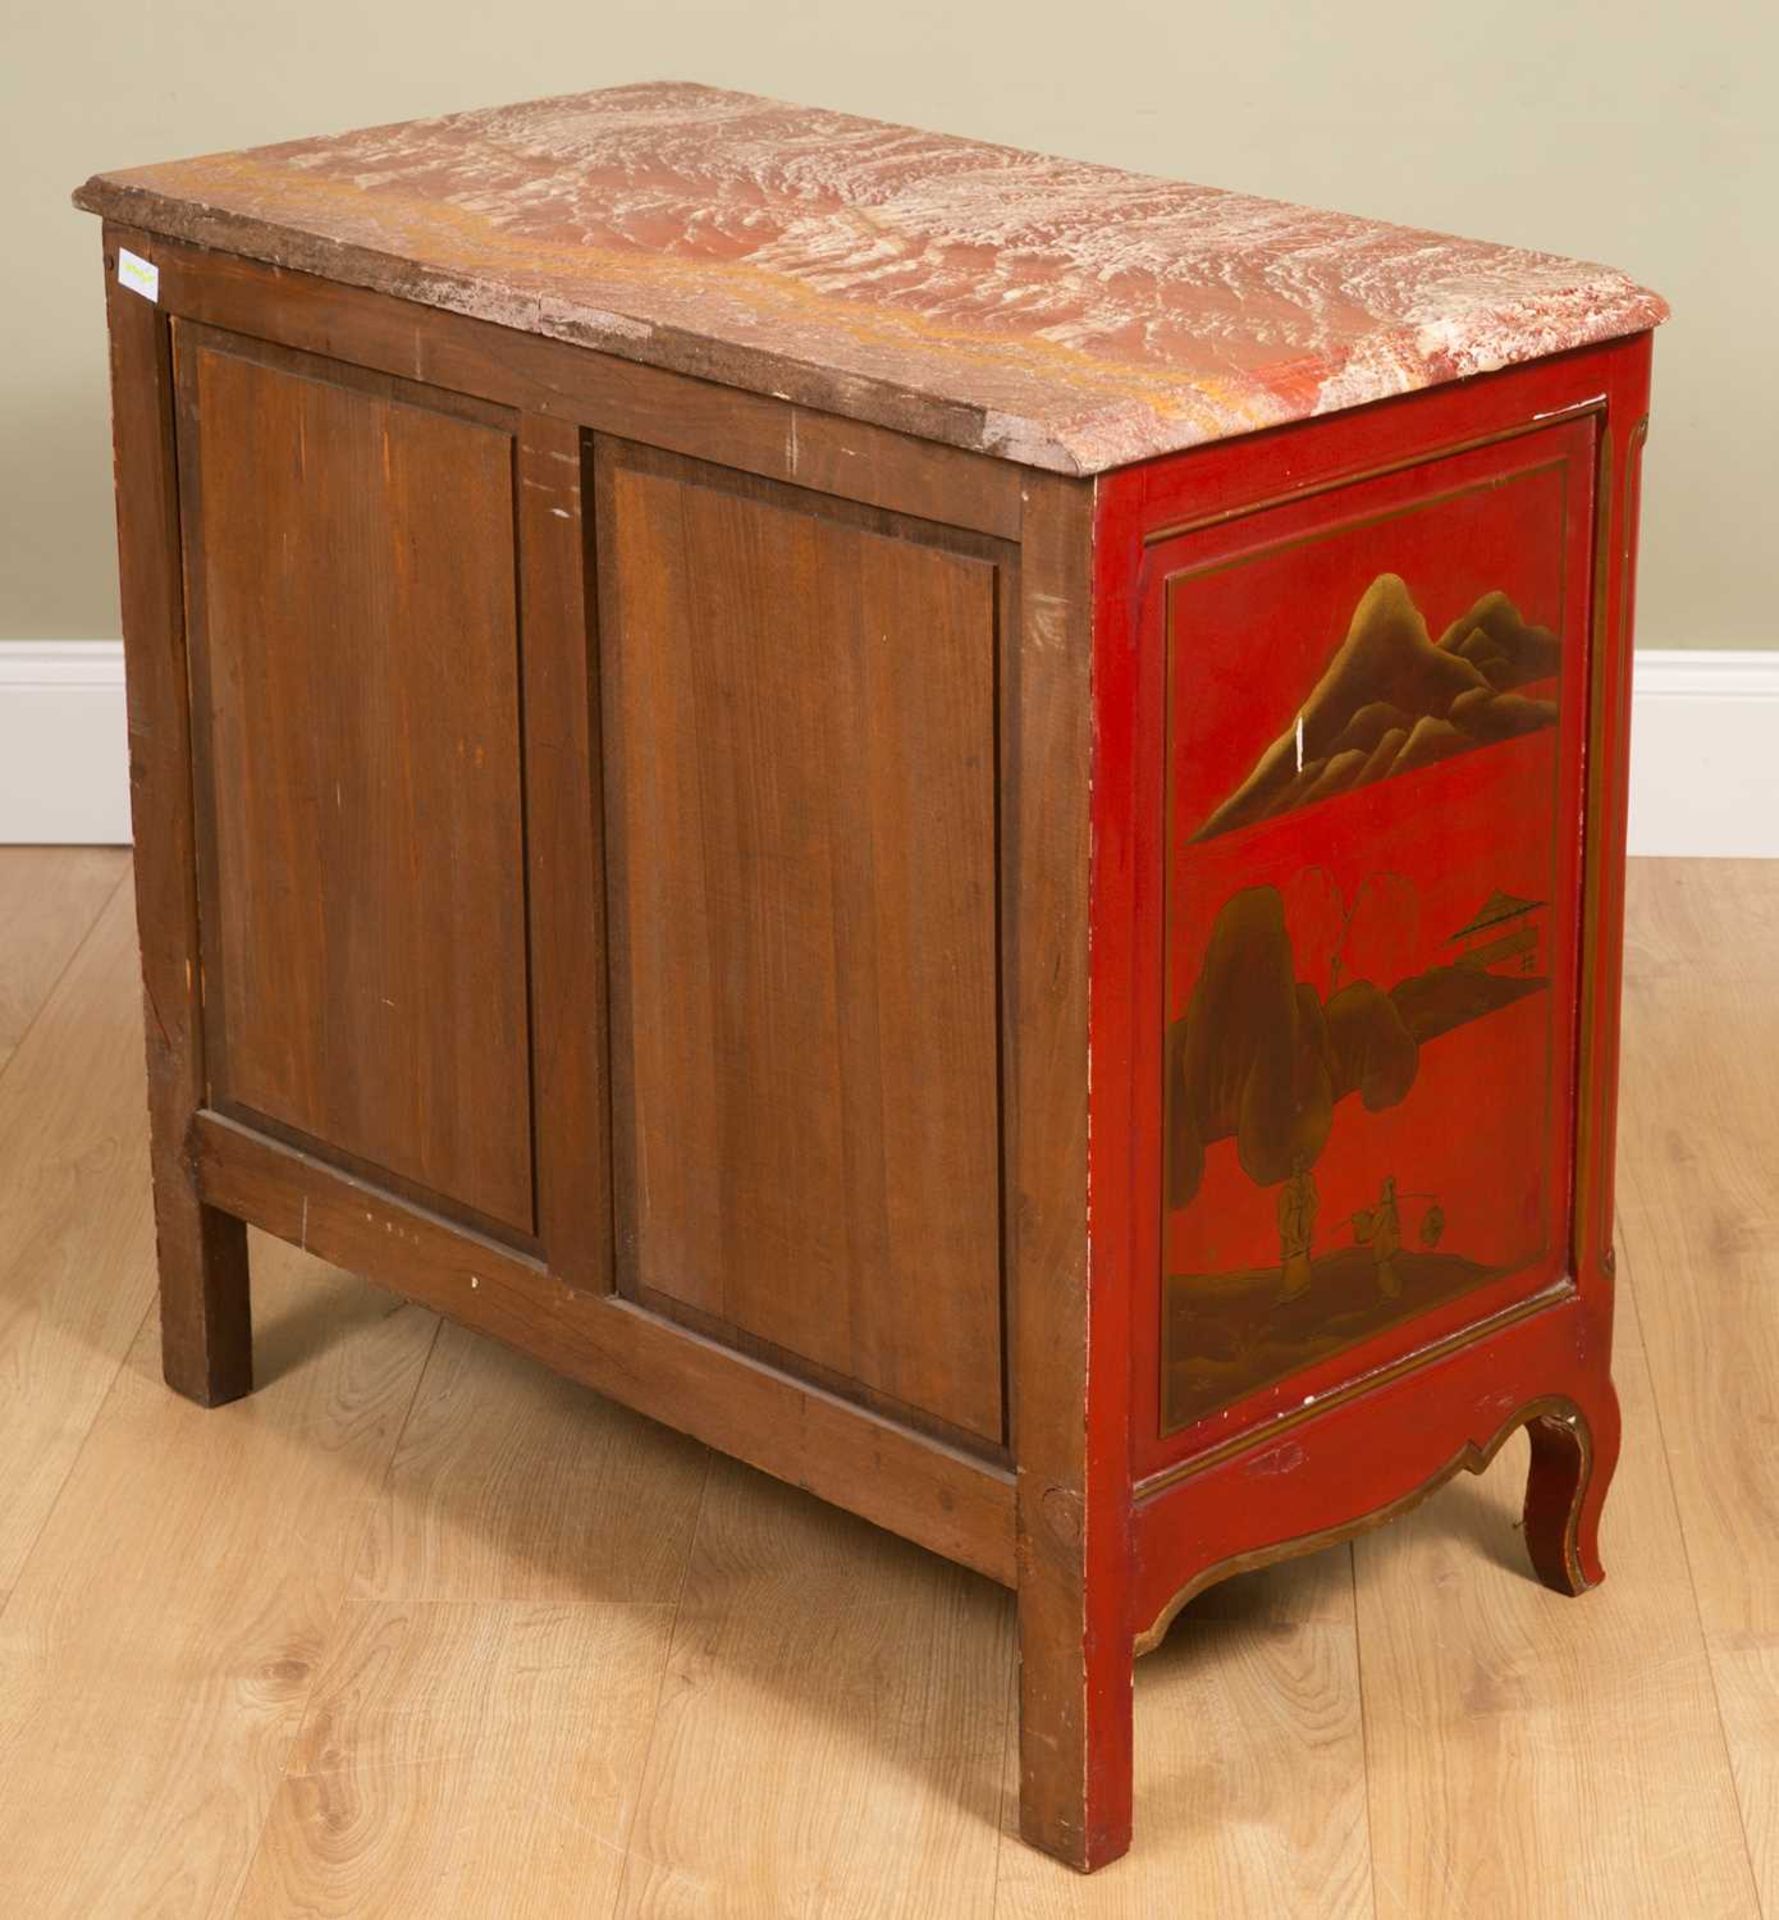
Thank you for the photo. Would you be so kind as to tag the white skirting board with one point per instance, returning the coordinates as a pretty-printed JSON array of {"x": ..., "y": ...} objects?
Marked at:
[
  {"x": 1704, "y": 749},
  {"x": 1705, "y": 754},
  {"x": 64, "y": 749}
]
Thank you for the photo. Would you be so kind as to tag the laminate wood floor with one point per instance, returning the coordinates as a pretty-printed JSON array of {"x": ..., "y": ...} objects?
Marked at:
[{"x": 420, "y": 1629}]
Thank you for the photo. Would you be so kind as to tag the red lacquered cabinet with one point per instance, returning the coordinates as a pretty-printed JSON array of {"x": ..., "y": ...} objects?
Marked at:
[{"x": 954, "y": 819}]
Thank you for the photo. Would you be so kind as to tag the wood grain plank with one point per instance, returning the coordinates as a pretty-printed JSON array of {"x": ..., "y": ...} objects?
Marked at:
[
  {"x": 49, "y": 899},
  {"x": 465, "y": 1760},
  {"x": 957, "y": 1504},
  {"x": 753, "y": 433},
  {"x": 157, "y": 1650},
  {"x": 1528, "y": 1753},
  {"x": 800, "y": 749},
  {"x": 514, "y": 1484},
  {"x": 352, "y": 600},
  {"x": 1072, "y": 1456},
  {"x": 206, "y": 1322},
  {"x": 76, "y": 1230},
  {"x": 831, "y": 1723},
  {"x": 565, "y": 849},
  {"x": 1699, "y": 1211},
  {"x": 1250, "y": 1784}
]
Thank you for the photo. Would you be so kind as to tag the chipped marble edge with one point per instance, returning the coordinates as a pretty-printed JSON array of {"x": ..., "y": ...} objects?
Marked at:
[{"x": 1096, "y": 442}]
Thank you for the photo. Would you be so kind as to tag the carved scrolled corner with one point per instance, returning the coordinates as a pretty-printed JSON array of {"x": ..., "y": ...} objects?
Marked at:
[{"x": 1572, "y": 1458}]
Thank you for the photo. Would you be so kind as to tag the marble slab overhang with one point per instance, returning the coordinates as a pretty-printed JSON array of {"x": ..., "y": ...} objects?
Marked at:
[{"x": 1052, "y": 312}]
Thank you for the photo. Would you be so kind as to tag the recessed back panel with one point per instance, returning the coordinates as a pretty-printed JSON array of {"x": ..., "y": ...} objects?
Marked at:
[
  {"x": 800, "y": 749},
  {"x": 351, "y": 599}
]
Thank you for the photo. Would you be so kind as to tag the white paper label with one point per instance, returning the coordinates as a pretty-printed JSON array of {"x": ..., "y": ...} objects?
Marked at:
[{"x": 139, "y": 275}]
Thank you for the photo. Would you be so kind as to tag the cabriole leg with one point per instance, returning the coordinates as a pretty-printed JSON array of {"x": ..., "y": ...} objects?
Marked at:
[{"x": 1574, "y": 1452}]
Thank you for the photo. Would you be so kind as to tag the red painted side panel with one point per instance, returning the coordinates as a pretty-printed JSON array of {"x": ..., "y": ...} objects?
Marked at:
[
  {"x": 1392, "y": 962},
  {"x": 1371, "y": 920}
]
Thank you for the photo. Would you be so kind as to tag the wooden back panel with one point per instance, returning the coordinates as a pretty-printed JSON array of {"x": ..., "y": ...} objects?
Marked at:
[
  {"x": 800, "y": 759},
  {"x": 353, "y": 618}
]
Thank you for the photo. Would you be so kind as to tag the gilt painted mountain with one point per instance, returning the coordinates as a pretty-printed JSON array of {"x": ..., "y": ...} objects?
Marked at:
[{"x": 1393, "y": 699}]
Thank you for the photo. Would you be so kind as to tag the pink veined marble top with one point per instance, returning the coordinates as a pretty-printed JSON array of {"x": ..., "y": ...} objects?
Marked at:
[{"x": 1053, "y": 312}]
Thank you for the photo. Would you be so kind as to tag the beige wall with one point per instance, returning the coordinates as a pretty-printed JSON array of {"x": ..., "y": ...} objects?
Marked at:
[{"x": 1639, "y": 136}]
